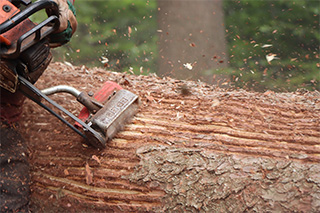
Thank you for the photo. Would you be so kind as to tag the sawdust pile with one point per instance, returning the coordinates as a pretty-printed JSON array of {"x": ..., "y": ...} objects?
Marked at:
[{"x": 191, "y": 147}]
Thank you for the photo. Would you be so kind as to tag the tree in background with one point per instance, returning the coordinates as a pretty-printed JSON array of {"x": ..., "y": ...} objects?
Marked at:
[
  {"x": 192, "y": 39},
  {"x": 271, "y": 44}
]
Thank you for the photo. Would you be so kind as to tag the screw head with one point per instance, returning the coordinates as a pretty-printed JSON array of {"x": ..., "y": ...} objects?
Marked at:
[
  {"x": 90, "y": 93},
  {"x": 6, "y": 8}
]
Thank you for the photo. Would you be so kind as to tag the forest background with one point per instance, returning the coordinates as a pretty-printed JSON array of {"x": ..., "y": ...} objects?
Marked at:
[{"x": 272, "y": 45}]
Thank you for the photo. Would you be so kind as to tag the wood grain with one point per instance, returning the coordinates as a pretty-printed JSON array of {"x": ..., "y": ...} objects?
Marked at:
[{"x": 213, "y": 149}]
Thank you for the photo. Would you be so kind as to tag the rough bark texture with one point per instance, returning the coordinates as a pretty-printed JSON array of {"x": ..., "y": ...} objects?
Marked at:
[{"x": 191, "y": 147}]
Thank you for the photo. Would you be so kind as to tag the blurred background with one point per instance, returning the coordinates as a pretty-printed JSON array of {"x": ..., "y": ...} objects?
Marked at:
[{"x": 254, "y": 45}]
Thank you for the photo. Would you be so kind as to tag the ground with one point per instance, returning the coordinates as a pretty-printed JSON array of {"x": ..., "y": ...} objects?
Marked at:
[{"x": 190, "y": 147}]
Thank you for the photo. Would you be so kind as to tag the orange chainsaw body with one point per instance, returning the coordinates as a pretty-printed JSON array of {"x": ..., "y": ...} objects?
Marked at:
[
  {"x": 24, "y": 47},
  {"x": 8, "y": 10}
]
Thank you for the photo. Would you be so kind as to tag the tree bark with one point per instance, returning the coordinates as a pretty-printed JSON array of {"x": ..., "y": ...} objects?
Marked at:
[
  {"x": 191, "y": 147},
  {"x": 192, "y": 42}
]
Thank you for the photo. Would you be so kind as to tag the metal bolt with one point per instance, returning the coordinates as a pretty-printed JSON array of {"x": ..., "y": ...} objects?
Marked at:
[
  {"x": 90, "y": 93},
  {"x": 6, "y": 8}
]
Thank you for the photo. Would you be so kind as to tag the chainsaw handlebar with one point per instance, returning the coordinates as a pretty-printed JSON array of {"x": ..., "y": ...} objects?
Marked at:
[
  {"x": 28, "y": 11},
  {"x": 40, "y": 31}
]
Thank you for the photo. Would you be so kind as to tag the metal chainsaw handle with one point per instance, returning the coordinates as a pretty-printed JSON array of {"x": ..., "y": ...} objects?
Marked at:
[
  {"x": 40, "y": 31},
  {"x": 92, "y": 105}
]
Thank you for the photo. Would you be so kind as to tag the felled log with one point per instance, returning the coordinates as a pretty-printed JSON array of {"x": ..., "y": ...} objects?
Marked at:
[{"x": 191, "y": 147}]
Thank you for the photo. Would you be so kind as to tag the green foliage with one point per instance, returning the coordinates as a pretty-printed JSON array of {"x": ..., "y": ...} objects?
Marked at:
[
  {"x": 125, "y": 32},
  {"x": 122, "y": 31},
  {"x": 288, "y": 29}
]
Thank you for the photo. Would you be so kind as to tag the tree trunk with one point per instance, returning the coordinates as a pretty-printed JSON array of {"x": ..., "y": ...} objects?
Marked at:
[
  {"x": 192, "y": 42},
  {"x": 191, "y": 147}
]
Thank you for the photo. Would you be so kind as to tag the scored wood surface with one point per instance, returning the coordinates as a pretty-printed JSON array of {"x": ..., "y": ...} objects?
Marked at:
[{"x": 191, "y": 147}]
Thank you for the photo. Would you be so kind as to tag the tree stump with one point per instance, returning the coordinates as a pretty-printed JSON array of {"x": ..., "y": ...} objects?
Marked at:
[{"x": 191, "y": 147}]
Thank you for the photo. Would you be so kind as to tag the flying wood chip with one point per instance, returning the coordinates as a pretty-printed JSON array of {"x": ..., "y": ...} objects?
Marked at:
[{"x": 89, "y": 174}]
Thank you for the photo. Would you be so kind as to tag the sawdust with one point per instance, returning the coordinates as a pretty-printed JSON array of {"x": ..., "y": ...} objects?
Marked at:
[{"x": 191, "y": 147}]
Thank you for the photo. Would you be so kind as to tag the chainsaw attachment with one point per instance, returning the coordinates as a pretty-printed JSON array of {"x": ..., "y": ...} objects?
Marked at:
[
  {"x": 101, "y": 119},
  {"x": 116, "y": 112}
]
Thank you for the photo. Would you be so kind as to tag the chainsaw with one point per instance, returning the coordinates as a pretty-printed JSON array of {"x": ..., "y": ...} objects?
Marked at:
[{"x": 24, "y": 55}]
